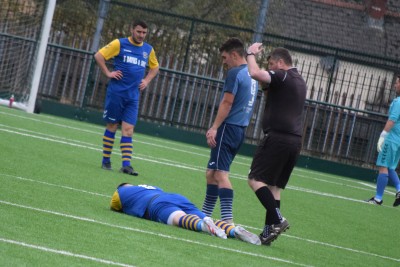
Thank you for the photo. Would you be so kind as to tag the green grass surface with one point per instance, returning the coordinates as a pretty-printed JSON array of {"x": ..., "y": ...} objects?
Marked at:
[{"x": 54, "y": 206}]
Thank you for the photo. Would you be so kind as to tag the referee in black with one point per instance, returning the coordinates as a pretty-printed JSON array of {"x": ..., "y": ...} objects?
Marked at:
[{"x": 277, "y": 153}]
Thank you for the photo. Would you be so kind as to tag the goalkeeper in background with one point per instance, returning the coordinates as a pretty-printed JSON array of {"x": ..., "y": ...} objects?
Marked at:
[
  {"x": 152, "y": 203},
  {"x": 131, "y": 55},
  {"x": 389, "y": 151}
]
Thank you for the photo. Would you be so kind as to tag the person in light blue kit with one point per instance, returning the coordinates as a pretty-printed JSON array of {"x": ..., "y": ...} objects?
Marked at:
[
  {"x": 227, "y": 132},
  {"x": 389, "y": 152},
  {"x": 152, "y": 203},
  {"x": 131, "y": 56}
]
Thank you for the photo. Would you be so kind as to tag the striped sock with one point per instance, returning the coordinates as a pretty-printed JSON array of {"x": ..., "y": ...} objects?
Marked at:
[
  {"x": 210, "y": 200},
  {"x": 228, "y": 228},
  {"x": 108, "y": 143},
  {"x": 126, "y": 150},
  {"x": 191, "y": 222},
  {"x": 226, "y": 201}
]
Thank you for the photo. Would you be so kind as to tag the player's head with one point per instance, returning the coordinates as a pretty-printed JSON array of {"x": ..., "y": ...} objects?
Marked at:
[
  {"x": 123, "y": 185},
  {"x": 279, "y": 58},
  {"x": 397, "y": 85},
  {"x": 139, "y": 31},
  {"x": 232, "y": 52},
  {"x": 115, "y": 204}
]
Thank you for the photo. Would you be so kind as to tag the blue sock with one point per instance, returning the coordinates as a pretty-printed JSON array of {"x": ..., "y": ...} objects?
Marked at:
[
  {"x": 381, "y": 183},
  {"x": 226, "y": 201},
  {"x": 210, "y": 200},
  {"x": 395, "y": 179}
]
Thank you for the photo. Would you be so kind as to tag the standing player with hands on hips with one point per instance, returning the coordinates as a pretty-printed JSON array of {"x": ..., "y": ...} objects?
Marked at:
[
  {"x": 277, "y": 153},
  {"x": 131, "y": 55}
]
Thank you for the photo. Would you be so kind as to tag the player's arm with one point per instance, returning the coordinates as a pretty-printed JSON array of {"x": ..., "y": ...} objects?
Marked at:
[
  {"x": 223, "y": 111},
  {"x": 154, "y": 68},
  {"x": 388, "y": 126},
  {"x": 254, "y": 70},
  {"x": 107, "y": 52}
]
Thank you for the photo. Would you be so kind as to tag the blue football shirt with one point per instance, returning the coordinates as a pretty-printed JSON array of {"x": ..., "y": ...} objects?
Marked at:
[{"x": 239, "y": 83}]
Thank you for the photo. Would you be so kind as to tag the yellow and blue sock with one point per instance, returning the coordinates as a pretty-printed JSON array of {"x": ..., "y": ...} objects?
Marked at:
[
  {"x": 126, "y": 150},
  {"x": 228, "y": 228},
  {"x": 108, "y": 143},
  {"x": 191, "y": 222}
]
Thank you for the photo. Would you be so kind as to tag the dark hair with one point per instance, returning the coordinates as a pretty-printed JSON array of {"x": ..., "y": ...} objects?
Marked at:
[
  {"x": 233, "y": 44},
  {"x": 139, "y": 22},
  {"x": 121, "y": 185},
  {"x": 281, "y": 53}
]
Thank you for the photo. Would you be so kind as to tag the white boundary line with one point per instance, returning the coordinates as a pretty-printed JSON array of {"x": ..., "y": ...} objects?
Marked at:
[
  {"x": 63, "y": 252},
  {"x": 290, "y": 236},
  {"x": 78, "y": 218},
  {"x": 197, "y": 169},
  {"x": 169, "y": 162}
]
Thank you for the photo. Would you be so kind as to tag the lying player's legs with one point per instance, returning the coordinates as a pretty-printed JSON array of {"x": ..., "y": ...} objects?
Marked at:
[{"x": 175, "y": 209}]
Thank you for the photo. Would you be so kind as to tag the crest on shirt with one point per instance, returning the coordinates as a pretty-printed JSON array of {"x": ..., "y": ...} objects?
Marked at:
[{"x": 145, "y": 55}]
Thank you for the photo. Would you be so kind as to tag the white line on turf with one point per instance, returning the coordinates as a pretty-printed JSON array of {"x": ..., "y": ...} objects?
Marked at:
[
  {"x": 63, "y": 252},
  {"x": 250, "y": 227},
  {"x": 167, "y": 162},
  {"x": 150, "y": 233},
  {"x": 158, "y": 160}
]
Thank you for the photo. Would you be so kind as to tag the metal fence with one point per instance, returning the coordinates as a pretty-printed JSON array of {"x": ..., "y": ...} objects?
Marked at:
[{"x": 348, "y": 93}]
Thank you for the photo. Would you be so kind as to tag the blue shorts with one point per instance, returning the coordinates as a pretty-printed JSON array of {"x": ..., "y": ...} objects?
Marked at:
[
  {"x": 118, "y": 108},
  {"x": 229, "y": 139},
  {"x": 389, "y": 156},
  {"x": 164, "y": 205}
]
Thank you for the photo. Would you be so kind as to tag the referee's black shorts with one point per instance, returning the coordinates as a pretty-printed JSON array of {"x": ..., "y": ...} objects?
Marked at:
[{"x": 275, "y": 158}]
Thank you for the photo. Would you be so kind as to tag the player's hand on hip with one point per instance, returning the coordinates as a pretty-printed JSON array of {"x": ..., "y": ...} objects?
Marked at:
[
  {"x": 116, "y": 75},
  {"x": 210, "y": 135}
]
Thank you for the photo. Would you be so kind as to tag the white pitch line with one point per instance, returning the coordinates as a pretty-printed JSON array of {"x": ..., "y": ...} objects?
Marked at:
[
  {"x": 167, "y": 162},
  {"x": 290, "y": 236},
  {"x": 150, "y": 233},
  {"x": 63, "y": 252}
]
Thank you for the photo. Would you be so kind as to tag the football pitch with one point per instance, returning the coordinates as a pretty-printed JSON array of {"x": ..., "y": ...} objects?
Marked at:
[{"x": 54, "y": 206}]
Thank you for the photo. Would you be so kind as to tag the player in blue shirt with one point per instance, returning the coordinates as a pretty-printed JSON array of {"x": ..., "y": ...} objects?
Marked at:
[
  {"x": 131, "y": 56},
  {"x": 152, "y": 203},
  {"x": 389, "y": 151},
  {"x": 227, "y": 132}
]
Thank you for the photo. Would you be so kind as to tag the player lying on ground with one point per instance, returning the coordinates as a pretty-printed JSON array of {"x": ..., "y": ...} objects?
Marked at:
[{"x": 152, "y": 203}]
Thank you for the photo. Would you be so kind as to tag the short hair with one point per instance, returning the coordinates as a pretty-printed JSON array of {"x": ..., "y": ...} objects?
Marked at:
[
  {"x": 233, "y": 44},
  {"x": 281, "y": 53},
  {"x": 139, "y": 22}
]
